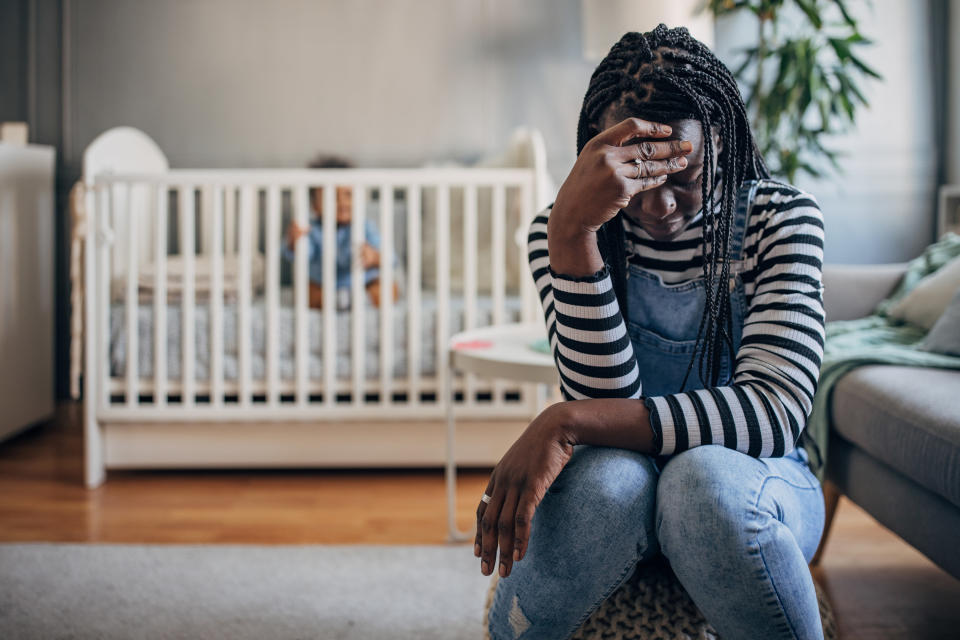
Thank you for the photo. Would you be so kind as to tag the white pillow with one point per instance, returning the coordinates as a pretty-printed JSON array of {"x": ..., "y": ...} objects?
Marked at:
[
  {"x": 930, "y": 298},
  {"x": 945, "y": 336}
]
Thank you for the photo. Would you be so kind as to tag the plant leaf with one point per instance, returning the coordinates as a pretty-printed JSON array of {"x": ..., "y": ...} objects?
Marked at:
[{"x": 863, "y": 67}]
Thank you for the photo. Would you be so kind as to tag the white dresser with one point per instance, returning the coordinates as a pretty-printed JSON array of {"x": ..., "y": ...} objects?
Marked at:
[{"x": 26, "y": 286}]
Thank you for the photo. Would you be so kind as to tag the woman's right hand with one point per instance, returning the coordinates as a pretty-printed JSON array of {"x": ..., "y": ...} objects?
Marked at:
[{"x": 605, "y": 176}]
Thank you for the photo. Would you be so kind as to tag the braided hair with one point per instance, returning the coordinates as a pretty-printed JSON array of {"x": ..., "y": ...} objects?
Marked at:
[{"x": 666, "y": 74}]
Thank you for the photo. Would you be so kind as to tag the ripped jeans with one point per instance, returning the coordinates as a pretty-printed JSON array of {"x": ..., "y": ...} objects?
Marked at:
[{"x": 738, "y": 531}]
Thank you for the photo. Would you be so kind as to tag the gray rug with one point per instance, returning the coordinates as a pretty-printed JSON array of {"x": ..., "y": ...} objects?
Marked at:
[{"x": 240, "y": 591}]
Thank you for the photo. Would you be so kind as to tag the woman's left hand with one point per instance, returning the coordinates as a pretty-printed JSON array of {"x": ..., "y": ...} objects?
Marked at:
[{"x": 518, "y": 484}]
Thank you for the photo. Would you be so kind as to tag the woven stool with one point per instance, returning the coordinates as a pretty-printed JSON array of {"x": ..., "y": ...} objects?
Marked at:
[{"x": 653, "y": 605}]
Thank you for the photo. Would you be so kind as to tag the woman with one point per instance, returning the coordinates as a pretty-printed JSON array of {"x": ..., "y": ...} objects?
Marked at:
[{"x": 683, "y": 297}]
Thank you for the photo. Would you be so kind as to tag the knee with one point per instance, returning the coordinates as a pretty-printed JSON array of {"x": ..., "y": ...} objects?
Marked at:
[
  {"x": 612, "y": 479},
  {"x": 703, "y": 502}
]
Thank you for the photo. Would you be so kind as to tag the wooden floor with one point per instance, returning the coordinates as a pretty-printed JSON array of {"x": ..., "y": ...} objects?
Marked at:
[{"x": 880, "y": 587}]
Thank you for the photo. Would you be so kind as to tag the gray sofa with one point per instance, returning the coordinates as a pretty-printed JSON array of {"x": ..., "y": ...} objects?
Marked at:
[{"x": 895, "y": 441}]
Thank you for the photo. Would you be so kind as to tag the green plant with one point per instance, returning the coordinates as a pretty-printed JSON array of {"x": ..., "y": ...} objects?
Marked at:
[{"x": 802, "y": 79}]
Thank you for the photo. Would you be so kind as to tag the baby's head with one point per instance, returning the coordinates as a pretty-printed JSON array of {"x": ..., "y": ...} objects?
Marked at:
[{"x": 344, "y": 193}]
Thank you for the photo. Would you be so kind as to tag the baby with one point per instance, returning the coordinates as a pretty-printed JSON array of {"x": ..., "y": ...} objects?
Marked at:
[{"x": 370, "y": 250}]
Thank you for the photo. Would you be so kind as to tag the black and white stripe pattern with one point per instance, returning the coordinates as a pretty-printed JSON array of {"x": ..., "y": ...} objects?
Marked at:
[{"x": 765, "y": 408}]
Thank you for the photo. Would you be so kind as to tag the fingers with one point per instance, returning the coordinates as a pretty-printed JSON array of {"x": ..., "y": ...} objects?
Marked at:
[
  {"x": 643, "y": 184},
  {"x": 489, "y": 525},
  {"x": 481, "y": 508},
  {"x": 651, "y": 168},
  {"x": 526, "y": 507},
  {"x": 505, "y": 531},
  {"x": 503, "y": 523},
  {"x": 632, "y": 128},
  {"x": 653, "y": 150}
]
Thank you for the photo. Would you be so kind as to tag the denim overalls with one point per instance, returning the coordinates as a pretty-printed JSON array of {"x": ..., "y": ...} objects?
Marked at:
[{"x": 664, "y": 318}]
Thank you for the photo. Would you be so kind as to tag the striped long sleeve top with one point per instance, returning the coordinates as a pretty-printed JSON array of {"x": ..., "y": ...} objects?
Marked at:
[{"x": 764, "y": 409}]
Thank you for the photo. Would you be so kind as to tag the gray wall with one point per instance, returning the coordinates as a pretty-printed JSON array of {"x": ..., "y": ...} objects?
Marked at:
[
  {"x": 953, "y": 97},
  {"x": 246, "y": 83},
  {"x": 13, "y": 61}
]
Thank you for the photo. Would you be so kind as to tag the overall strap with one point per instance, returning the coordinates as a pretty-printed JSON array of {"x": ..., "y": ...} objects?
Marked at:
[{"x": 741, "y": 214}]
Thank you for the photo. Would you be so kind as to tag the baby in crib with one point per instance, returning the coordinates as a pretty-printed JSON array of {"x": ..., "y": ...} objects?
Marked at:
[{"x": 370, "y": 250}]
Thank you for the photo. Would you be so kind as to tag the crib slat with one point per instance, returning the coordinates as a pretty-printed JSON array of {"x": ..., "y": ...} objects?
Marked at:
[
  {"x": 158, "y": 198},
  {"x": 205, "y": 218},
  {"x": 528, "y": 294},
  {"x": 386, "y": 293},
  {"x": 247, "y": 195},
  {"x": 413, "y": 294},
  {"x": 301, "y": 285},
  {"x": 358, "y": 293},
  {"x": 187, "y": 325},
  {"x": 443, "y": 293},
  {"x": 106, "y": 246},
  {"x": 499, "y": 269},
  {"x": 230, "y": 221},
  {"x": 216, "y": 296},
  {"x": 272, "y": 241},
  {"x": 329, "y": 226},
  {"x": 130, "y": 213},
  {"x": 470, "y": 279}
]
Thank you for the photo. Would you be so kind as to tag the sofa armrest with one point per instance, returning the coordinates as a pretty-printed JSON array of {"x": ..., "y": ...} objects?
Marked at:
[{"x": 853, "y": 291}]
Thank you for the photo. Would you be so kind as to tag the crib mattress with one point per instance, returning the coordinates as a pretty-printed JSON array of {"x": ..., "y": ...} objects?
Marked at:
[{"x": 285, "y": 340}]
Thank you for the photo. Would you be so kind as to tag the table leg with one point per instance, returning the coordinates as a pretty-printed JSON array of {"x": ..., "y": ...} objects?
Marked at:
[
  {"x": 454, "y": 534},
  {"x": 542, "y": 392}
]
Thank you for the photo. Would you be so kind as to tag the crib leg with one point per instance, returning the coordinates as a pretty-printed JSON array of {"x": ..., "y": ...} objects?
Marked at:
[
  {"x": 94, "y": 471},
  {"x": 454, "y": 534}
]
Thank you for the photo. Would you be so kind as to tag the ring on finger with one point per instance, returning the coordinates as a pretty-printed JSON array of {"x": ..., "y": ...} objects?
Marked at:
[
  {"x": 486, "y": 498},
  {"x": 637, "y": 177}
]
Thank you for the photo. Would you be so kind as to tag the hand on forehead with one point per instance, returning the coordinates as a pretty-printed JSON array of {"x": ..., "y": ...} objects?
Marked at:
[{"x": 682, "y": 129}]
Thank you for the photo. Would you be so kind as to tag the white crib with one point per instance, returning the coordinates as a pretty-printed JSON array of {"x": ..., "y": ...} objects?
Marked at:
[{"x": 199, "y": 353}]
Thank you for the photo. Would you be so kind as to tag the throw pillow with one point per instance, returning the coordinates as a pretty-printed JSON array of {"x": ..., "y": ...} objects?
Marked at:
[
  {"x": 930, "y": 298},
  {"x": 945, "y": 336}
]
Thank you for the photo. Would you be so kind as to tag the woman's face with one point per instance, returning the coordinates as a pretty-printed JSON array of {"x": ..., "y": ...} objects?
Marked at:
[{"x": 665, "y": 211}]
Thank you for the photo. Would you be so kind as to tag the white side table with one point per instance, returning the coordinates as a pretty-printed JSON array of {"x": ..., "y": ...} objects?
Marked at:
[{"x": 498, "y": 351}]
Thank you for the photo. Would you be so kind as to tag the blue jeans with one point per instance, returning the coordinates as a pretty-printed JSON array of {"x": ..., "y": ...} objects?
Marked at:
[{"x": 738, "y": 532}]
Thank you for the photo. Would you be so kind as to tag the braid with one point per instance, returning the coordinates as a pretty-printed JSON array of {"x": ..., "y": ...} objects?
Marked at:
[{"x": 666, "y": 74}]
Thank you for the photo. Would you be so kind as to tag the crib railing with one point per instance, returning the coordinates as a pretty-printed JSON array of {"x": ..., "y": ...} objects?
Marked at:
[{"x": 208, "y": 220}]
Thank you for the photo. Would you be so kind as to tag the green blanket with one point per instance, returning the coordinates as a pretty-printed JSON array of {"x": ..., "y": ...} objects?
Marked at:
[{"x": 875, "y": 339}]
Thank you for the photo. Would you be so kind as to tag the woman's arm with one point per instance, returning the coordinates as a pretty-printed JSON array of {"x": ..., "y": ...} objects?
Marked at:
[
  {"x": 586, "y": 330},
  {"x": 573, "y": 249},
  {"x": 623, "y": 423},
  {"x": 587, "y": 333}
]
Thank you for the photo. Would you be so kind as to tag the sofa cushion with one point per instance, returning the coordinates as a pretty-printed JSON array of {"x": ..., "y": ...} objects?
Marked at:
[{"x": 907, "y": 417}]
